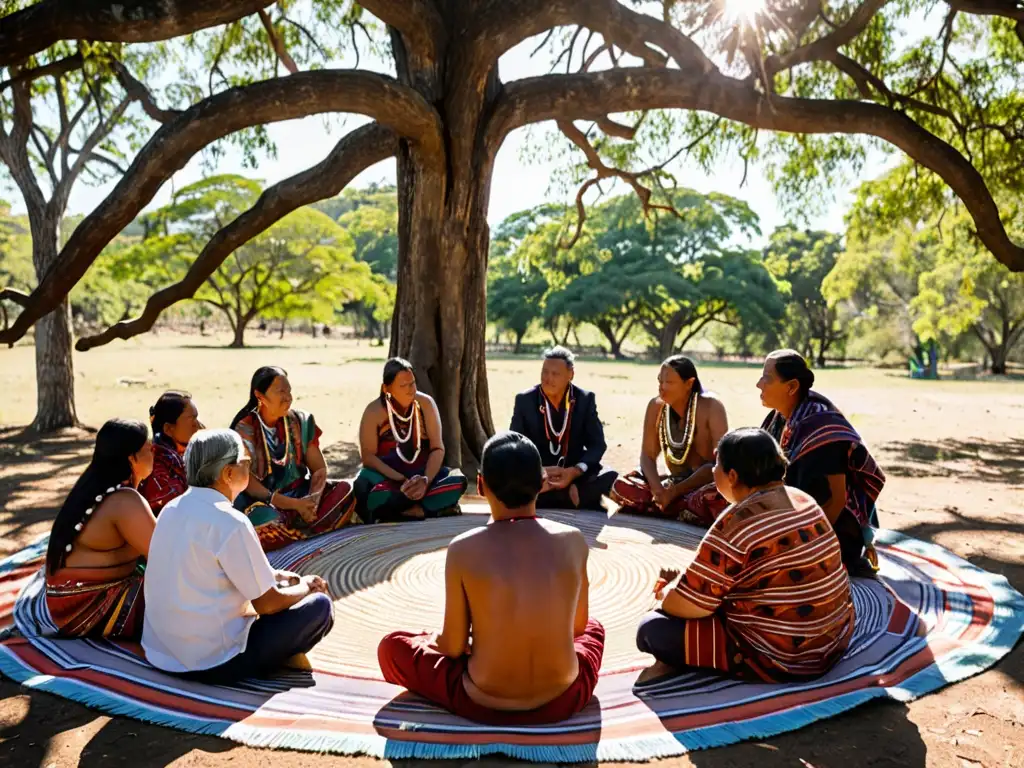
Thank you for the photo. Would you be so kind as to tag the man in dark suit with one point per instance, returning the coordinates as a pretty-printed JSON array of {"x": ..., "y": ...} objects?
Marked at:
[{"x": 561, "y": 420}]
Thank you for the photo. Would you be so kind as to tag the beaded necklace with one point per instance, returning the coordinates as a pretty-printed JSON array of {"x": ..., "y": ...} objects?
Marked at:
[
  {"x": 556, "y": 445},
  {"x": 677, "y": 452},
  {"x": 415, "y": 423},
  {"x": 88, "y": 512},
  {"x": 266, "y": 441}
]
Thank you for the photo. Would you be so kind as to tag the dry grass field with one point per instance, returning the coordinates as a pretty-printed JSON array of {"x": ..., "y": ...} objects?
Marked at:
[{"x": 953, "y": 451}]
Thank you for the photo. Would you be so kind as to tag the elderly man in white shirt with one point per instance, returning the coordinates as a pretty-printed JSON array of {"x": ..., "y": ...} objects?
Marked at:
[{"x": 215, "y": 609}]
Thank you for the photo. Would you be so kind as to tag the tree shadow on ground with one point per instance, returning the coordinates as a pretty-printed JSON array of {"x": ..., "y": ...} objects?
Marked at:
[
  {"x": 30, "y": 464},
  {"x": 343, "y": 459},
  {"x": 876, "y": 734},
  {"x": 997, "y": 462},
  {"x": 29, "y": 737}
]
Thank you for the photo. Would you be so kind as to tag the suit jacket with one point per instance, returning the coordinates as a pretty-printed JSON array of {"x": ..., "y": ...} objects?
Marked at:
[{"x": 586, "y": 435}]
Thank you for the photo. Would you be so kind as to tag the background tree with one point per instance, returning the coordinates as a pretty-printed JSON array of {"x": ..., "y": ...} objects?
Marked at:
[
  {"x": 514, "y": 301},
  {"x": 303, "y": 266},
  {"x": 802, "y": 259},
  {"x": 969, "y": 291},
  {"x": 817, "y": 78},
  {"x": 69, "y": 120},
  {"x": 370, "y": 217}
]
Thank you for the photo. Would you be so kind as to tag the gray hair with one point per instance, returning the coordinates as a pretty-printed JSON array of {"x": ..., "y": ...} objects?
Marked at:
[
  {"x": 208, "y": 452},
  {"x": 559, "y": 352}
]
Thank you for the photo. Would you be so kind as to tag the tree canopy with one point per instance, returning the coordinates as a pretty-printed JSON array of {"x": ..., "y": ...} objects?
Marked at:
[
  {"x": 803, "y": 87},
  {"x": 302, "y": 266}
]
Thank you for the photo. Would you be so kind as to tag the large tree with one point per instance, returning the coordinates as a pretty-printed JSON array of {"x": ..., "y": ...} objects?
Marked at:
[
  {"x": 803, "y": 259},
  {"x": 825, "y": 75},
  {"x": 303, "y": 266}
]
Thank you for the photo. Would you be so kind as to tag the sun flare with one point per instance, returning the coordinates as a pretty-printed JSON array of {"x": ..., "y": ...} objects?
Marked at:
[{"x": 744, "y": 10}]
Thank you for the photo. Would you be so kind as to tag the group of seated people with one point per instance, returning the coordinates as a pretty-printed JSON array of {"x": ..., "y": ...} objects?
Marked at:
[{"x": 167, "y": 538}]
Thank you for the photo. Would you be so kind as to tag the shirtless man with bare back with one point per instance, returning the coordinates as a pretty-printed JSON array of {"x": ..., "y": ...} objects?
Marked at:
[
  {"x": 684, "y": 423},
  {"x": 518, "y": 646}
]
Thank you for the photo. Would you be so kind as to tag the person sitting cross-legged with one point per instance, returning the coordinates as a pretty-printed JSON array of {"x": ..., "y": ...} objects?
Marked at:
[
  {"x": 685, "y": 423},
  {"x": 402, "y": 448},
  {"x": 289, "y": 496},
  {"x": 767, "y": 597},
  {"x": 215, "y": 609},
  {"x": 518, "y": 646},
  {"x": 561, "y": 420}
]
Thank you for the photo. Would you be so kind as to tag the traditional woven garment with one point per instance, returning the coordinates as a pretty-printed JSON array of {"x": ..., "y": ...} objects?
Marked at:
[
  {"x": 815, "y": 427},
  {"x": 168, "y": 479},
  {"x": 381, "y": 499},
  {"x": 278, "y": 462},
  {"x": 771, "y": 570},
  {"x": 89, "y": 602}
]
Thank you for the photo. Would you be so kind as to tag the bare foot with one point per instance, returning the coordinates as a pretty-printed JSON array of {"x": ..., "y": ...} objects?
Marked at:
[
  {"x": 574, "y": 495},
  {"x": 299, "y": 661},
  {"x": 657, "y": 670},
  {"x": 414, "y": 513}
]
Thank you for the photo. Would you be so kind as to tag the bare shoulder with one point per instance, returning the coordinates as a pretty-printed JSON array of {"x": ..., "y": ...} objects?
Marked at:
[
  {"x": 126, "y": 501},
  {"x": 565, "y": 532},
  {"x": 655, "y": 405},
  {"x": 374, "y": 410},
  {"x": 426, "y": 401},
  {"x": 711, "y": 402},
  {"x": 465, "y": 541}
]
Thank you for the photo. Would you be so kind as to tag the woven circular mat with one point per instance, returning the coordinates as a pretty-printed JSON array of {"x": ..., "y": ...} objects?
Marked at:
[{"x": 388, "y": 577}]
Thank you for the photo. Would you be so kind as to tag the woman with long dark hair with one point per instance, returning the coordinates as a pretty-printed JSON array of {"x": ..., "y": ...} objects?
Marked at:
[
  {"x": 400, "y": 442},
  {"x": 94, "y": 557},
  {"x": 174, "y": 419},
  {"x": 827, "y": 457},
  {"x": 289, "y": 496},
  {"x": 766, "y": 597},
  {"x": 684, "y": 424}
]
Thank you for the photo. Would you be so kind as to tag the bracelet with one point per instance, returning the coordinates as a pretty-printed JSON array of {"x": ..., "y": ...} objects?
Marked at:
[{"x": 270, "y": 499}]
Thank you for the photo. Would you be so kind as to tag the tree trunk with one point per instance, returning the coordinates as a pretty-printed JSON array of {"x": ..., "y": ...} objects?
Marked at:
[
  {"x": 440, "y": 320},
  {"x": 54, "y": 338},
  {"x": 282, "y": 328},
  {"x": 238, "y": 342},
  {"x": 999, "y": 356},
  {"x": 519, "y": 342},
  {"x": 55, "y": 372},
  {"x": 613, "y": 341}
]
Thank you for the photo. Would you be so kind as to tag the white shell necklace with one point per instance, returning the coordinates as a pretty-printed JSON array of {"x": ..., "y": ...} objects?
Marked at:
[
  {"x": 415, "y": 427},
  {"x": 555, "y": 435},
  {"x": 88, "y": 513}
]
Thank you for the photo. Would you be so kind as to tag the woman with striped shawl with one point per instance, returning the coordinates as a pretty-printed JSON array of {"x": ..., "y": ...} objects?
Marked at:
[
  {"x": 289, "y": 497},
  {"x": 403, "y": 475},
  {"x": 827, "y": 458},
  {"x": 100, "y": 539}
]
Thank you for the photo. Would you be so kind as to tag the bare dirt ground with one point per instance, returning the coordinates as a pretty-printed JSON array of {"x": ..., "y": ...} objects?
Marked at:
[{"x": 954, "y": 453}]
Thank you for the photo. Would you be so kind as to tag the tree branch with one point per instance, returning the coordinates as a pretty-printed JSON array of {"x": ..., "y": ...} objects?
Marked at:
[
  {"x": 140, "y": 93},
  {"x": 57, "y": 69},
  {"x": 604, "y": 171},
  {"x": 824, "y": 47},
  {"x": 39, "y": 26},
  {"x": 278, "y": 45},
  {"x": 359, "y": 150},
  {"x": 306, "y": 93},
  {"x": 418, "y": 21},
  {"x": 590, "y": 96}
]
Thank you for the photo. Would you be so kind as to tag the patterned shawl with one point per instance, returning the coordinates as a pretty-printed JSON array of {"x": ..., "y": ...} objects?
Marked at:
[
  {"x": 815, "y": 423},
  {"x": 280, "y": 465}
]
